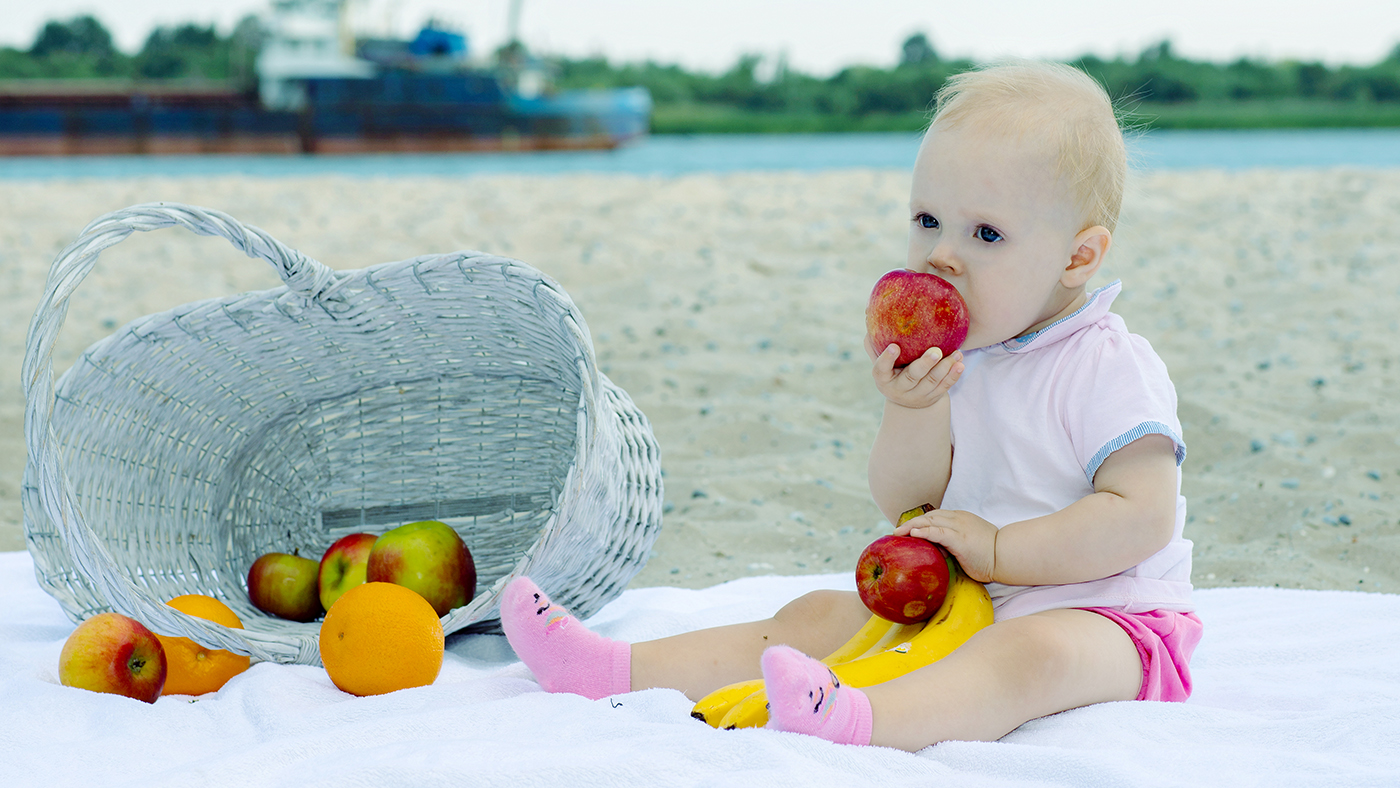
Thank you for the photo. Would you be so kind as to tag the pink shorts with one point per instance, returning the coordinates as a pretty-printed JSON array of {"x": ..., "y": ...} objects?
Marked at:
[{"x": 1165, "y": 642}]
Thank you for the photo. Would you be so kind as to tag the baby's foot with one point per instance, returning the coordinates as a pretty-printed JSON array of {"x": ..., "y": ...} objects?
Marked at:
[
  {"x": 804, "y": 696},
  {"x": 560, "y": 651}
]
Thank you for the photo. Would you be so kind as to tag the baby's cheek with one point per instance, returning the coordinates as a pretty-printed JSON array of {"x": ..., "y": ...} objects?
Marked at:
[
  {"x": 977, "y": 333},
  {"x": 988, "y": 324}
]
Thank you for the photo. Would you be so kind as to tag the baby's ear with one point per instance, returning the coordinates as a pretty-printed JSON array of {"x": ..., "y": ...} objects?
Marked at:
[{"x": 1089, "y": 248}]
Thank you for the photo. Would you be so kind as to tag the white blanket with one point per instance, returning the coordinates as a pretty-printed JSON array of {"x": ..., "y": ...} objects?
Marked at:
[{"x": 1293, "y": 688}]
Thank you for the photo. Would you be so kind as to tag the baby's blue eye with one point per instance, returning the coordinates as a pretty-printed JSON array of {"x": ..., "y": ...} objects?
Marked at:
[
  {"x": 927, "y": 222},
  {"x": 985, "y": 233}
]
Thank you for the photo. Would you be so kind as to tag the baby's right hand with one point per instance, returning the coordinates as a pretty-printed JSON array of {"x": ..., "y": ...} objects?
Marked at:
[{"x": 924, "y": 382}]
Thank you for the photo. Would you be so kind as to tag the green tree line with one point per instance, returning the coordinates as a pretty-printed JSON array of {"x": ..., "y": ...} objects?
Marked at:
[
  {"x": 82, "y": 48},
  {"x": 1156, "y": 87}
]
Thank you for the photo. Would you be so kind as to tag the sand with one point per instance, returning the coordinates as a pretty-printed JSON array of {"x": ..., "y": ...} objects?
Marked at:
[{"x": 730, "y": 307}]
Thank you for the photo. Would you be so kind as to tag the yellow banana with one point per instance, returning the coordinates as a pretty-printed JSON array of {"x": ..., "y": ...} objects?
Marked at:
[
  {"x": 877, "y": 635},
  {"x": 874, "y": 632},
  {"x": 915, "y": 512},
  {"x": 750, "y": 712},
  {"x": 712, "y": 708},
  {"x": 740, "y": 705},
  {"x": 744, "y": 704},
  {"x": 966, "y": 609},
  {"x": 896, "y": 634}
]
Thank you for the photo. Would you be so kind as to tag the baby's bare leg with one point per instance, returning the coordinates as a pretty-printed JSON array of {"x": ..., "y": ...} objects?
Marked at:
[
  {"x": 1009, "y": 673},
  {"x": 700, "y": 662}
]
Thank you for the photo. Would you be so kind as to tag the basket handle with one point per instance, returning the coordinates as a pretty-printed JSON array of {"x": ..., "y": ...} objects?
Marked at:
[
  {"x": 309, "y": 278},
  {"x": 313, "y": 280}
]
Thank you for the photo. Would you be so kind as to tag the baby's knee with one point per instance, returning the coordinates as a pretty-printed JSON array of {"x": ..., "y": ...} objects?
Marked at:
[{"x": 819, "y": 609}]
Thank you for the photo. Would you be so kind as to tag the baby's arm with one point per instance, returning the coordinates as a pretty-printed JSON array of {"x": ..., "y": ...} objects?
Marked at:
[
  {"x": 1129, "y": 517},
  {"x": 912, "y": 455}
]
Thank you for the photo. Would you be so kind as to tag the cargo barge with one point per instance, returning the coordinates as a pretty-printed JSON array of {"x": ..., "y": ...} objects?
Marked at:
[{"x": 319, "y": 93}]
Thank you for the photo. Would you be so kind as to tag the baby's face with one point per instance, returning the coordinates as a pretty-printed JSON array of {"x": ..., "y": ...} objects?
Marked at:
[{"x": 989, "y": 215}]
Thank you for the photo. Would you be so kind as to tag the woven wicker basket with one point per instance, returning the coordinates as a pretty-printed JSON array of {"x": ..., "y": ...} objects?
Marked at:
[{"x": 458, "y": 387}]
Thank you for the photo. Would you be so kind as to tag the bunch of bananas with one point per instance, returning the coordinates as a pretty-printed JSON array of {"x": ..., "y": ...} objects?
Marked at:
[{"x": 879, "y": 652}]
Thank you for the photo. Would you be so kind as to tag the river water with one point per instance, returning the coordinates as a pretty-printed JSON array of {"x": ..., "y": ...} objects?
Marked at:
[{"x": 680, "y": 154}]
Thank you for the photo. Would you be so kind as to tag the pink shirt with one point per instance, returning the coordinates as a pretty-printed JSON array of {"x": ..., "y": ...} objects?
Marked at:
[{"x": 1033, "y": 419}]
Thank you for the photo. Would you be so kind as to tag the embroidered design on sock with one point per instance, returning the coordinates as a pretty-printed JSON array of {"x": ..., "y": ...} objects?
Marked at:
[
  {"x": 825, "y": 696},
  {"x": 557, "y": 617}
]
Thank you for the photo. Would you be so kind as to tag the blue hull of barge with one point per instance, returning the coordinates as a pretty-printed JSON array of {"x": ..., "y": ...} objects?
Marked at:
[{"x": 395, "y": 111}]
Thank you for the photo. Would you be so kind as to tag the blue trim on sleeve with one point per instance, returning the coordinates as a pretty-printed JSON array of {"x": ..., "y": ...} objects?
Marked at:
[{"x": 1145, "y": 428}]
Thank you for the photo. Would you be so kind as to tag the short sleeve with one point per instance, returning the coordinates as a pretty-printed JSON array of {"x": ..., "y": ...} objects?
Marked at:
[{"x": 1119, "y": 392}]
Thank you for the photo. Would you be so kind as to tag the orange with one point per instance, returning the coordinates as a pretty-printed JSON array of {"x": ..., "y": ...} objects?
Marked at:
[
  {"x": 381, "y": 637},
  {"x": 194, "y": 669}
]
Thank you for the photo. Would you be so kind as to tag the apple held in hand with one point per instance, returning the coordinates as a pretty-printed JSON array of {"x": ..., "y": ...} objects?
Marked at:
[
  {"x": 428, "y": 557},
  {"x": 285, "y": 586},
  {"x": 916, "y": 311},
  {"x": 343, "y": 566},
  {"x": 902, "y": 578},
  {"x": 115, "y": 654}
]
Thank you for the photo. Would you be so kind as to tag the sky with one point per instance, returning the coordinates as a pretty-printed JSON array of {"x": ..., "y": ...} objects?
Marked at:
[{"x": 818, "y": 37}]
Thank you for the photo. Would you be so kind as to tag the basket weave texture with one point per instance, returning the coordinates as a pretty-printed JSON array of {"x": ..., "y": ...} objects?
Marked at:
[{"x": 458, "y": 387}]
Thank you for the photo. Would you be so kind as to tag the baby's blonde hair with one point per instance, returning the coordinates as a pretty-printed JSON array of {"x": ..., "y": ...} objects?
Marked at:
[{"x": 1058, "y": 105}]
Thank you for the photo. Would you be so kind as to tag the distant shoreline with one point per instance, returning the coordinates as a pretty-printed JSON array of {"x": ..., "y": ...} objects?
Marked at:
[
  {"x": 671, "y": 155},
  {"x": 1201, "y": 115}
]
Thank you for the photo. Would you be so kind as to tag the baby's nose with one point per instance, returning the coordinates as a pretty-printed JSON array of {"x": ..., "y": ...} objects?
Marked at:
[{"x": 943, "y": 260}]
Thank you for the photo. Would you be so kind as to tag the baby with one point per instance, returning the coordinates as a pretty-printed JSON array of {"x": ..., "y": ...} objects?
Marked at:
[{"x": 1050, "y": 446}]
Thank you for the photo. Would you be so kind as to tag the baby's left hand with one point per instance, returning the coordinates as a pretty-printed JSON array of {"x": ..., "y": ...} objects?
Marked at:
[{"x": 968, "y": 537}]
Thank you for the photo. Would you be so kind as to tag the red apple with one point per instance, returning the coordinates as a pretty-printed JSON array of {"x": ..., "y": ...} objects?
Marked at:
[
  {"x": 285, "y": 586},
  {"x": 343, "y": 566},
  {"x": 428, "y": 557},
  {"x": 116, "y": 654},
  {"x": 903, "y": 578},
  {"x": 916, "y": 311}
]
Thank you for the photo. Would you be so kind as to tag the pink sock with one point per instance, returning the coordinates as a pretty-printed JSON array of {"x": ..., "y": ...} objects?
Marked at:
[
  {"x": 560, "y": 651},
  {"x": 804, "y": 696}
]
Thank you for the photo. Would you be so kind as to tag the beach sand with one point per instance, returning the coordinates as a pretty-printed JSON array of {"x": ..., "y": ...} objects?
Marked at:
[{"x": 731, "y": 308}]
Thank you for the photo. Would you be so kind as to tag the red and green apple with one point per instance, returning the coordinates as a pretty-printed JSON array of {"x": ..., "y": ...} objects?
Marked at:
[
  {"x": 343, "y": 566},
  {"x": 115, "y": 654},
  {"x": 428, "y": 557},
  {"x": 915, "y": 311},
  {"x": 286, "y": 586},
  {"x": 903, "y": 579}
]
